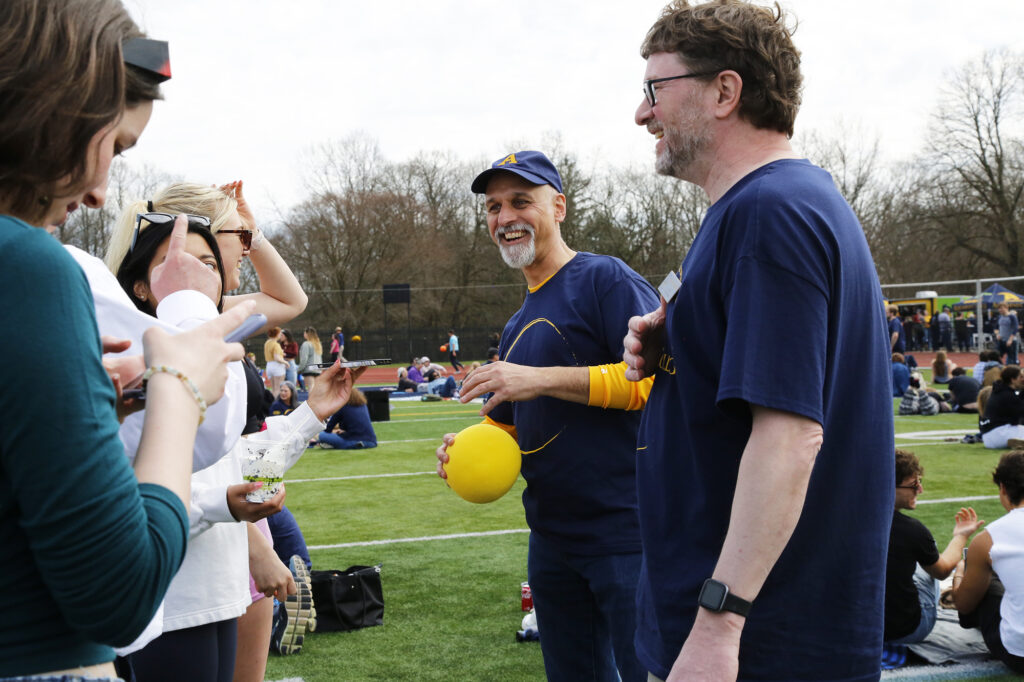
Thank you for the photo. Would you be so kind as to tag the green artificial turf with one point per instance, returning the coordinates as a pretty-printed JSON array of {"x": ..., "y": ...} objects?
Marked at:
[{"x": 452, "y": 604}]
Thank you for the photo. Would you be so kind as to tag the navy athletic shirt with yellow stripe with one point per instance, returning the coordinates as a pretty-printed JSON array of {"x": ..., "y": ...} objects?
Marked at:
[{"x": 579, "y": 461}]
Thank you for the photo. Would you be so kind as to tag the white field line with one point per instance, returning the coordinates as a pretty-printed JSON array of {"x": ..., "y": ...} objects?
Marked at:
[
  {"x": 931, "y": 673},
  {"x": 408, "y": 440},
  {"x": 355, "y": 478},
  {"x": 939, "y": 435},
  {"x": 924, "y": 444},
  {"x": 435, "y": 419},
  {"x": 973, "y": 498},
  {"x": 425, "y": 538}
]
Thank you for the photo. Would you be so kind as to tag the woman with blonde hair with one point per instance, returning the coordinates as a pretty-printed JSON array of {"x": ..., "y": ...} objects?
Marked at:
[
  {"x": 213, "y": 603},
  {"x": 280, "y": 297},
  {"x": 273, "y": 353},
  {"x": 942, "y": 368},
  {"x": 310, "y": 355}
]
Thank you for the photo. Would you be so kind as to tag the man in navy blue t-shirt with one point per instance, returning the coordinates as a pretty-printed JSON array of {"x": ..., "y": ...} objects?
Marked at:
[
  {"x": 560, "y": 388},
  {"x": 765, "y": 454},
  {"x": 895, "y": 325}
]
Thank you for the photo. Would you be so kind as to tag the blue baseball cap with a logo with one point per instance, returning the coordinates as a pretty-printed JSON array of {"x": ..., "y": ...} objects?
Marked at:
[{"x": 530, "y": 165}]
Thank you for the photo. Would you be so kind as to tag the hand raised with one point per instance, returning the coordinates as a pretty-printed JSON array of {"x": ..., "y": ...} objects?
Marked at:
[
  {"x": 181, "y": 270},
  {"x": 332, "y": 390},
  {"x": 234, "y": 189}
]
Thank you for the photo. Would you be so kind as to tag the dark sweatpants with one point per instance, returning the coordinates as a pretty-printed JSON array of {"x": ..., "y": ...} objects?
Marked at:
[{"x": 987, "y": 619}]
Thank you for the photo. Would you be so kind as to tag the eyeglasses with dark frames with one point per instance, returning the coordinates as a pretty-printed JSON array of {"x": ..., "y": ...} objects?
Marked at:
[
  {"x": 163, "y": 219},
  {"x": 244, "y": 235},
  {"x": 649, "y": 93},
  {"x": 918, "y": 485}
]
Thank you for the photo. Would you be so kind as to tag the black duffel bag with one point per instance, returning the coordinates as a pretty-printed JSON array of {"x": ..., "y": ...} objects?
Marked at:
[{"x": 349, "y": 599}]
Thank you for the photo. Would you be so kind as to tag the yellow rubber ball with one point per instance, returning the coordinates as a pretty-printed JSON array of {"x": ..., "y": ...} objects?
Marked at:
[
  {"x": 357, "y": 338},
  {"x": 483, "y": 463}
]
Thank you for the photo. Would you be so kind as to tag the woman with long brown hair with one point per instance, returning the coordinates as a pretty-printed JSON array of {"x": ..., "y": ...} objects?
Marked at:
[
  {"x": 310, "y": 355},
  {"x": 942, "y": 368}
]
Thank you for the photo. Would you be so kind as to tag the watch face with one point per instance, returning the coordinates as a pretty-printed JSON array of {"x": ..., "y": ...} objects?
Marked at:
[{"x": 712, "y": 595}]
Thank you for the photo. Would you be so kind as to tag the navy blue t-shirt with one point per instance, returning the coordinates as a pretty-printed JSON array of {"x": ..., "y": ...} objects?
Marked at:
[
  {"x": 779, "y": 306},
  {"x": 355, "y": 421},
  {"x": 579, "y": 462},
  {"x": 895, "y": 326}
]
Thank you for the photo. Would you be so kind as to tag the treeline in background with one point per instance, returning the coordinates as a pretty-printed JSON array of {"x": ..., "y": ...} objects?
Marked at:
[{"x": 952, "y": 211}]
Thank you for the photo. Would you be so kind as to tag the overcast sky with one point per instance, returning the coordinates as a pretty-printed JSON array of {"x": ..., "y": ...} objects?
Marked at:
[{"x": 257, "y": 83}]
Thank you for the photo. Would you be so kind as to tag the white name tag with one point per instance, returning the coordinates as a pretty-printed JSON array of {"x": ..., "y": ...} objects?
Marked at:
[{"x": 669, "y": 287}]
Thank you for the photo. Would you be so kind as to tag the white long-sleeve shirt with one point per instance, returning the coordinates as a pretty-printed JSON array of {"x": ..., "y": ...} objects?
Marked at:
[{"x": 117, "y": 316}]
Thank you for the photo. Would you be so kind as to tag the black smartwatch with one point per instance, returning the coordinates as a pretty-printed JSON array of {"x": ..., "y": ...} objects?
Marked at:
[{"x": 715, "y": 596}]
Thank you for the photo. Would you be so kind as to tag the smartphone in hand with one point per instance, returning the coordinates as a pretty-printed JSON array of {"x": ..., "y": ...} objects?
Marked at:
[
  {"x": 357, "y": 363},
  {"x": 247, "y": 328},
  {"x": 240, "y": 333}
]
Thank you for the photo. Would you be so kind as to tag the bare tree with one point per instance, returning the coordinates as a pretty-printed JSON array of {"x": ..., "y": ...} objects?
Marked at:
[
  {"x": 90, "y": 229},
  {"x": 975, "y": 163}
]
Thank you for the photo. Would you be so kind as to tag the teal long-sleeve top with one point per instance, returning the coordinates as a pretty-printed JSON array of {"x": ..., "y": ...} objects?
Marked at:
[{"x": 86, "y": 552}]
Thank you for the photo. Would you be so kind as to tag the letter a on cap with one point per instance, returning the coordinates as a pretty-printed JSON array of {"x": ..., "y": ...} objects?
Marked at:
[{"x": 511, "y": 158}]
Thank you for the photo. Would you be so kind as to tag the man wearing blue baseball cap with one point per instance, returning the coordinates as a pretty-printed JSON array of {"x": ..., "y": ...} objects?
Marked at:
[{"x": 560, "y": 389}]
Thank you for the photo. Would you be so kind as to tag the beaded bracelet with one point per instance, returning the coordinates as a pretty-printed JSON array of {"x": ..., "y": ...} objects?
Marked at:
[{"x": 200, "y": 401}]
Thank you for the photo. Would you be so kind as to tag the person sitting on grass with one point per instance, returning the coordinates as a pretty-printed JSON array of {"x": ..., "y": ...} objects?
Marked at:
[
  {"x": 993, "y": 370},
  {"x": 988, "y": 589},
  {"x": 410, "y": 377},
  {"x": 900, "y": 375},
  {"x": 446, "y": 387},
  {"x": 286, "y": 401},
  {"x": 349, "y": 428},
  {"x": 986, "y": 360},
  {"x": 965, "y": 391},
  {"x": 919, "y": 400},
  {"x": 942, "y": 366},
  {"x": 914, "y": 565},
  {"x": 1004, "y": 412},
  {"x": 430, "y": 371}
]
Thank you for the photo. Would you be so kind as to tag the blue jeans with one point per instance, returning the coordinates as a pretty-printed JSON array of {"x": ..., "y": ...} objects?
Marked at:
[
  {"x": 1010, "y": 349},
  {"x": 341, "y": 443},
  {"x": 928, "y": 595},
  {"x": 442, "y": 386},
  {"x": 288, "y": 538},
  {"x": 586, "y": 613}
]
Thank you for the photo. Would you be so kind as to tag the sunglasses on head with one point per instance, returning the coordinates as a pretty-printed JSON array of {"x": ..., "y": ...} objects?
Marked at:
[{"x": 164, "y": 219}]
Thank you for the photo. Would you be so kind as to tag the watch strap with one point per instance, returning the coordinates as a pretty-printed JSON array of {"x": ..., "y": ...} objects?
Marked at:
[{"x": 729, "y": 602}]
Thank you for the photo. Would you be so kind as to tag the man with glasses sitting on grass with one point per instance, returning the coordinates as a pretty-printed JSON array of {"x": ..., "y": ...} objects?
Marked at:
[{"x": 915, "y": 567}]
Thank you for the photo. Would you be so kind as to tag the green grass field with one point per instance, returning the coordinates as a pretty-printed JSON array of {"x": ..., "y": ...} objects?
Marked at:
[{"x": 452, "y": 603}]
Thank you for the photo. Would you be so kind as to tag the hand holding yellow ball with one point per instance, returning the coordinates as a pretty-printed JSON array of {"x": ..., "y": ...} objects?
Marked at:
[{"x": 483, "y": 463}]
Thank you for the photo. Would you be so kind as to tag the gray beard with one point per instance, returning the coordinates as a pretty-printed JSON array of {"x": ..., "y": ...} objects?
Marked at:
[
  {"x": 683, "y": 145},
  {"x": 679, "y": 155},
  {"x": 518, "y": 256}
]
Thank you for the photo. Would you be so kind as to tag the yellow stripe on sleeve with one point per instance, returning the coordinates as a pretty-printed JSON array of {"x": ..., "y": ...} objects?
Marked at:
[{"x": 609, "y": 388}]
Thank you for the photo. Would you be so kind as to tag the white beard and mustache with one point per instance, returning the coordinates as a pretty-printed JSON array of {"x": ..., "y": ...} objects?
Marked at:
[{"x": 517, "y": 256}]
